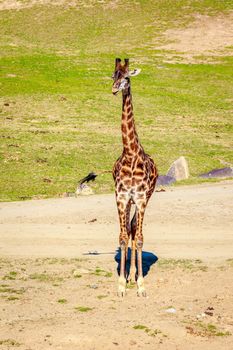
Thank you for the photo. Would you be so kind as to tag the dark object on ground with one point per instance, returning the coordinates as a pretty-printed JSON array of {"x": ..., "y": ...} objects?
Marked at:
[
  {"x": 209, "y": 311},
  {"x": 93, "y": 220},
  {"x": 89, "y": 177},
  {"x": 165, "y": 180},
  {"x": 95, "y": 252},
  {"x": 215, "y": 173}
]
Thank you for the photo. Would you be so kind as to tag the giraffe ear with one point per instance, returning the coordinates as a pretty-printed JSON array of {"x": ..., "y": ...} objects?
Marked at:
[{"x": 134, "y": 72}]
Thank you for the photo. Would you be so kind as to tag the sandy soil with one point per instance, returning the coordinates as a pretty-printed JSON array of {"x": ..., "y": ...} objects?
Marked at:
[
  {"x": 59, "y": 264},
  {"x": 205, "y": 36},
  {"x": 204, "y": 40},
  {"x": 21, "y": 4}
]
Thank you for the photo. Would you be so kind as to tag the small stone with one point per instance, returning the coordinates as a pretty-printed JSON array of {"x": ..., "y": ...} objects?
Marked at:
[
  {"x": 161, "y": 280},
  {"x": 209, "y": 313},
  {"x": 202, "y": 315},
  {"x": 218, "y": 173},
  {"x": 93, "y": 286},
  {"x": 171, "y": 310},
  {"x": 83, "y": 190}
]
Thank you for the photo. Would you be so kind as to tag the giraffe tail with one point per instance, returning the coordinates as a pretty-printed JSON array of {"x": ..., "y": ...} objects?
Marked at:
[{"x": 133, "y": 224}]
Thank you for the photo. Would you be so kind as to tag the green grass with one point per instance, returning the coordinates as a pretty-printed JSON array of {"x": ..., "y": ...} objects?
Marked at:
[
  {"x": 140, "y": 326},
  {"x": 62, "y": 301},
  {"x": 151, "y": 332},
  {"x": 59, "y": 120},
  {"x": 44, "y": 277},
  {"x": 9, "y": 342},
  {"x": 206, "y": 330},
  {"x": 229, "y": 262},
  {"x": 59, "y": 261},
  {"x": 99, "y": 272},
  {"x": 131, "y": 285},
  {"x": 12, "y": 298},
  {"x": 184, "y": 264},
  {"x": 100, "y": 297},
  {"x": 83, "y": 308},
  {"x": 4, "y": 288},
  {"x": 10, "y": 276}
]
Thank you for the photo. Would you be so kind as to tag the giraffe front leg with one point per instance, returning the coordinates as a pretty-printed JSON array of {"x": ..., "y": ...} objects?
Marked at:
[
  {"x": 127, "y": 228},
  {"x": 139, "y": 243},
  {"x": 122, "y": 278},
  {"x": 123, "y": 241},
  {"x": 132, "y": 271},
  {"x": 140, "y": 280}
]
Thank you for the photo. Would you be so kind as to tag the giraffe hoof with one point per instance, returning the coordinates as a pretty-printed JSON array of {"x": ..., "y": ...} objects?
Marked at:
[
  {"x": 141, "y": 293},
  {"x": 121, "y": 293},
  {"x": 121, "y": 287},
  {"x": 141, "y": 289}
]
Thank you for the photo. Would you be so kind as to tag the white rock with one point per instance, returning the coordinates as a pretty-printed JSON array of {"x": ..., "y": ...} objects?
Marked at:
[
  {"x": 171, "y": 310},
  {"x": 84, "y": 190},
  {"x": 179, "y": 169}
]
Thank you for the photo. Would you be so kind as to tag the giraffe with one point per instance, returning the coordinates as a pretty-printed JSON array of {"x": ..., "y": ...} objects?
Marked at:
[{"x": 135, "y": 176}]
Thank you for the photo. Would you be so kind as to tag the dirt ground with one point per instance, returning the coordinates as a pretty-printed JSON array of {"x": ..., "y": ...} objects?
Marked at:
[
  {"x": 203, "y": 40},
  {"x": 59, "y": 276}
]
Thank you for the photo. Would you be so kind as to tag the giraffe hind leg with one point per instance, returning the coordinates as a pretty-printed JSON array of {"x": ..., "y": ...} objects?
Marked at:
[
  {"x": 123, "y": 209},
  {"x": 139, "y": 243},
  {"x": 128, "y": 228},
  {"x": 132, "y": 271}
]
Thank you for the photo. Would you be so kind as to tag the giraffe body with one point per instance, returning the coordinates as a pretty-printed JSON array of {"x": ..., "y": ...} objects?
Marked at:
[{"x": 135, "y": 177}]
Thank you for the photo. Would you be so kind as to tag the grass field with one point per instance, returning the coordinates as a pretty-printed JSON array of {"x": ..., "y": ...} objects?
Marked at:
[{"x": 59, "y": 120}]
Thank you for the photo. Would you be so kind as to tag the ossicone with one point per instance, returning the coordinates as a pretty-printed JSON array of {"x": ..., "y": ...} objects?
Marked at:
[{"x": 117, "y": 62}]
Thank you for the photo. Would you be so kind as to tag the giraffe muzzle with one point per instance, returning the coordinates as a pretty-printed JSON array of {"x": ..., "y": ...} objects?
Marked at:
[{"x": 115, "y": 91}]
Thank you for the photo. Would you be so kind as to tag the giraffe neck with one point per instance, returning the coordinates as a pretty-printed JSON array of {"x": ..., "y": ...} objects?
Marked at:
[{"x": 130, "y": 140}]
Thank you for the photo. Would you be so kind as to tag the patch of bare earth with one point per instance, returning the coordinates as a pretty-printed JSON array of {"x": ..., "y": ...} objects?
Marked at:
[
  {"x": 20, "y": 4},
  {"x": 58, "y": 274},
  {"x": 206, "y": 36},
  {"x": 72, "y": 304}
]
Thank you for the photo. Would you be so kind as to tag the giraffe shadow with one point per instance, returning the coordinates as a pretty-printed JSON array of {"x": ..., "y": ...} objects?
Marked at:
[{"x": 148, "y": 259}]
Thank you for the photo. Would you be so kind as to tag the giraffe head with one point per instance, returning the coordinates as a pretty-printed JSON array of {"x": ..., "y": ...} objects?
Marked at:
[{"x": 121, "y": 76}]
